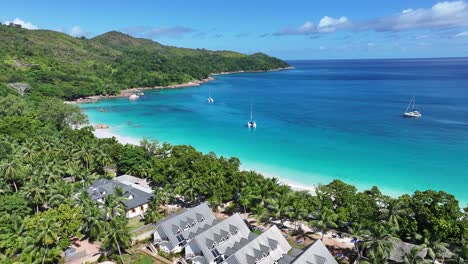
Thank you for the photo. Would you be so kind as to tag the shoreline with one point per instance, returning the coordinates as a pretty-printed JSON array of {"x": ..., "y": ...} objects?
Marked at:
[
  {"x": 107, "y": 133},
  {"x": 130, "y": 91},
  {"x": 296, "y": 186}
]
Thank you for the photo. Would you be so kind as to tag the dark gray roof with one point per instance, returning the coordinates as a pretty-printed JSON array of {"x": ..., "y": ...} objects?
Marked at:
[
  {"x": 316, "y": 253},
  {"x": 400, "y": 248},
  {"x": 133, "y": 197},
  {"x": 258, "y": 248},
  {"x": 227, "y": 236},
  {"x": 179, "y": 222}
]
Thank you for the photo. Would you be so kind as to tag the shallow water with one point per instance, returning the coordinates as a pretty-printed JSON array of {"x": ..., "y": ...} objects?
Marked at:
[{"x": 320, "y": 121}]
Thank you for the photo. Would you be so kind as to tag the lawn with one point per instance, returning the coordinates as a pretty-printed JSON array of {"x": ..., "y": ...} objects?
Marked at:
[
  {"x": 135, "y": 223},
  {"x": 139, "y": 258}
]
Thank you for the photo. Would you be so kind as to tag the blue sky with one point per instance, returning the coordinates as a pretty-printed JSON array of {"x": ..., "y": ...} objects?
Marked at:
[{"x": 302, "y": 29}]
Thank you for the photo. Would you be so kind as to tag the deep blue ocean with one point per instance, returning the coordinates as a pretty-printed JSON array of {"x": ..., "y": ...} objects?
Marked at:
[{"x": 320, "y": 121}]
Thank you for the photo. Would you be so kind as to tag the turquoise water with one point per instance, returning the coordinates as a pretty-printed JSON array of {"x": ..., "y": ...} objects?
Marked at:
[{"x": 320, "y": 121}]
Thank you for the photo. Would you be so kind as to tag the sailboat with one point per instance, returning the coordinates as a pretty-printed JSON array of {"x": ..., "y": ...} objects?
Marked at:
[
  {"x": 210, "y": 100},
  {"x": 411, "y": 110},
  {"x": 251, "y": 123}
]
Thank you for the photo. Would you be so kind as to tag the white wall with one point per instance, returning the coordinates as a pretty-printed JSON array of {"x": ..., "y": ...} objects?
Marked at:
[{"x": 137, "y": 211}]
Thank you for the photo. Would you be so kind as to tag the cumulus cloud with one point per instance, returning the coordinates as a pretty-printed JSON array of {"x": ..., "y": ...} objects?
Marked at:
[
  {"x": 440, "y": 15},
  {"x": 155, "y": 32},
  {"x": 76, "y": 31},
  {"x": 329, "y": 24},
  {"x": 326, "y": 25},
  {"x": 22, "y": 23},
  {"x": 448, "y": 14},
  {"x": 462, "y": 34},
  {"x": 305, "y": 29}
]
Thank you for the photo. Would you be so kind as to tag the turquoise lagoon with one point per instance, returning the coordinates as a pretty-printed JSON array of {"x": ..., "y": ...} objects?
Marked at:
[{"x": 320, "y": 121}]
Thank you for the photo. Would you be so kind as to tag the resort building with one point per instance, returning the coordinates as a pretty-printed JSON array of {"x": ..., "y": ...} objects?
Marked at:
[
  {"x": 211, "y": 245},
  {"x": 267, "y": 248},
  {"x": 174, "y": 232},
  {"x": 135, "y": 182},
  {"x": 207, "y": 240},
  {"x": 316, "y": 253},
  {"x": 136, "y": 200}
]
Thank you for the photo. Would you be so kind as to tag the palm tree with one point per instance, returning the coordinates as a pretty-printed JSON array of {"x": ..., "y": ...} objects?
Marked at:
[
  {"x": 392, "y": 213},
  {"x": 359, "y": 233},
  {"x": 436, "y": 249},
  {"x": 153, "y": 214},
  {"x": 11, "y": 171},
  {"x": 34, "y": 191},
  {"x": 379, "y": 244},
  {"x": 281, "y": 206},
  {"x": 324, "y": 220},
  {"x": 114, "y": 203},
  {"x": 47, "y": 235},
  {"x": 11, "y": 235},
  {"x": 93, "y": 221},
  {"x": 298, "y": 210},
  {"x": 60, "y": 193},
  {"x": 117, "y": 236},
  {"x": 415, "y": 255}
]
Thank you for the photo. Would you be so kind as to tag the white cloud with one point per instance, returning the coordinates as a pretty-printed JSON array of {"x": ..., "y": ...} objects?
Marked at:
[
  {"x": 326, "y": 25},
  {"x": 329, "y": 24},
  {"x": 24, "y": 24},
  {"x": 462, "y": 34},
  {"x": 307, "y": 27},
  {"x": 448, "y": 14},
  {"x": 76, "y": 31},
  {"x": 440, "y": 15}
]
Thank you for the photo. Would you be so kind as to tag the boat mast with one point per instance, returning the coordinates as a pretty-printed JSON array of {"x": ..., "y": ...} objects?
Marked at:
[{"x": 251, "y": 115}]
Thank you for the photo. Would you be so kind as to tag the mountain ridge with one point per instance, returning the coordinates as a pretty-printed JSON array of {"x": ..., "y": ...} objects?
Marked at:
[{"x": 56, "y": 64}]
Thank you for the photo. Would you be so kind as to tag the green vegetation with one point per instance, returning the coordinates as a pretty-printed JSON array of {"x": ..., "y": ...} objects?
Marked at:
[
  {"x": 56, "y": 64},
  {"x": 40, "y": 148}
]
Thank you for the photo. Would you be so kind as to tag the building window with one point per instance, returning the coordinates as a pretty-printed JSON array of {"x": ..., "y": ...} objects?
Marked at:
[
  {"x": 180, "y": 238},
  {"x": 142, "y": 208},
  {"x": 202, "y": 219},
  {"x": 133, "y": 210},
  {"x": 215, "y": 252}
]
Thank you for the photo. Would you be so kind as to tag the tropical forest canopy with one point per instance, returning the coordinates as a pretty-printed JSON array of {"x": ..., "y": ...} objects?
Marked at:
[
  {"x": 45, "y": 160},
  {"x": 56, "y": 64}
]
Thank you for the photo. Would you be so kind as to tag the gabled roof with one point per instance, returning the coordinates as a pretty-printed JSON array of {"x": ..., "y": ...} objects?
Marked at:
[
  {"x": 135, "y": 182},
  {"x": 170, "y": 225},
  {"x": 227, "y": 236},
  {"x": 316, "y": 253},
  {"x": 256, "y": 249},
  {"x": 133, "y": 197}
]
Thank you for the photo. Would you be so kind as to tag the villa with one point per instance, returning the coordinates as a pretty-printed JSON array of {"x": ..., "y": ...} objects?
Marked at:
[
  {"x": 136, "y": 199},
  {"x": 174, "y": 232},
  {"x": 207, "y": 240},
  {"x": 315, "y": 253},
  {"x": 212, "y": 244}
]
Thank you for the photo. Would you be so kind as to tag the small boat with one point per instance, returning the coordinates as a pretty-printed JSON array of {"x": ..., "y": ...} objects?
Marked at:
[
  {"x": 411, "y": 110},
  {"x": 133, "y": 97},
  {"x": 210, "y": 100},
  {"x": 251, "y": 123},
  {"x": 140, "y": 94}
]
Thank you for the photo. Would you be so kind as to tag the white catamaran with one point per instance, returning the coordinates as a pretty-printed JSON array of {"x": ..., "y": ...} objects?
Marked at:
[
  {"x": 411, "y": 110},
  {"x": 251, "y": 123},
  {"x": 210, "y": 100}
]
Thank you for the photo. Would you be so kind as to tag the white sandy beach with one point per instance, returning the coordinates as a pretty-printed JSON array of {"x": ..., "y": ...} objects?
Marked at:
[{"x": 108, "y": 133}]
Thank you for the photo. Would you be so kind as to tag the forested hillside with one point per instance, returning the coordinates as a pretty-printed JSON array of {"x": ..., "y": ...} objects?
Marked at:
[{"x": 56, "y": 64}]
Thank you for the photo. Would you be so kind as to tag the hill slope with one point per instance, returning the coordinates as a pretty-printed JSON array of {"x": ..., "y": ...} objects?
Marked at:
[{"x": 56, "y": 64}]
